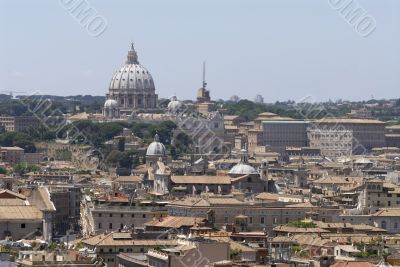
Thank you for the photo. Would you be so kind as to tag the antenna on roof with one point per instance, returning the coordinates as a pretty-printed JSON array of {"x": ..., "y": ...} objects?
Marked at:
[{"x": 204, "y": 75}]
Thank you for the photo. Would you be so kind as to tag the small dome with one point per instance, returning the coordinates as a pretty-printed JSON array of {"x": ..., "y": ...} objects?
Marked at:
[
  {"x": 111, "y": 103},
  {"x": 156, "y": 148},
  {"x": 242, "y": 168},
  {"x": 211, "y": 165},
  {"x": 174, "y": 105}
]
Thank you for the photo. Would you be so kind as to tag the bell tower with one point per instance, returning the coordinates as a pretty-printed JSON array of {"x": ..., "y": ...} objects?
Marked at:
[{"x": 264, "y": 170}]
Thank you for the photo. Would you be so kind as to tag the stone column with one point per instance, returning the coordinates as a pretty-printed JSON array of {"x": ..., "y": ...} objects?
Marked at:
[{"x": 47, "y": 226}]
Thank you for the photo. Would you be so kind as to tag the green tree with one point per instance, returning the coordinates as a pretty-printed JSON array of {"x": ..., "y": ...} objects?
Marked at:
[
  {"x": 245, "y": 109},
  {"x": 23, "y": 168},
  {"x": 110, "y": 129},
  {"x": 128, "y": 159},
  {"x": 234, "y": 253},
  {"x": 181, "y": 146},
  {"x": 3, "y": 170},
  {"x": 173, "y": 152},
  {"x": 13, "y": 107},
  {"x": 123, "y": 159},
  {"x": 114, "y": 157},
  {"x": 19, "y": 139},
  {"x": 140, "y": 129},
  {"x": 121, "y": 144},
  {"x": 92, "y": 132},
  {"x": 63, "y": 154},
  {"x": 40, "y": 133},
  {"x": 164, "y": 131}
]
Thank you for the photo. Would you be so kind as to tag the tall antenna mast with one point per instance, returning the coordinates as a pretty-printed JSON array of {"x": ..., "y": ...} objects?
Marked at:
[{"x": 204, "y": 75}]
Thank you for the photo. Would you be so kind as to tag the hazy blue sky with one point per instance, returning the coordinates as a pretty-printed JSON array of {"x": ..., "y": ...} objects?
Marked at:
[{"x": 280, "y": 49}]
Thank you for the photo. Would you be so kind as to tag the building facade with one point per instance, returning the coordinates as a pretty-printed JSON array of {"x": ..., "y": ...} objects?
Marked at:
[
  {"x": 332, "y": 143},
  {"x": 392, "y": 136},
  {"x": 20, "y": 123},
  {"x": 248, "y": 216},
  {"x": 378, "y": 193},
  {"x": 12, "y": 155},
  {"x": 367, "y": 133},
  {"x": 279, "y": 134},
  {"x": 113, "y": 216},
  {"x": 18, "y": 218}
]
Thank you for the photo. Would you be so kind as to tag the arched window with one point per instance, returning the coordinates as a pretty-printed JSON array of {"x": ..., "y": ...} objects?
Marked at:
[{"x": 383, "y": 224}]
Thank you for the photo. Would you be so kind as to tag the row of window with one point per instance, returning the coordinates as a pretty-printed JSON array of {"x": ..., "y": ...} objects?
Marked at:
[
  {"x": 387, "y": 195},
  {"x": 262, "y": 212},
  {"x": 131, "y": 71},
  {"x": 372, "y": 186},
  {"x": 263, "y": 221},
  {"x": 384, "y": 225},
  {"x": 389, "y": 203},
  {"x": 128, "y": 250},
  {"x": 122, "y": 215},
  {"x": 156, "y": 263},
  {"x": 110, "y": 226}
]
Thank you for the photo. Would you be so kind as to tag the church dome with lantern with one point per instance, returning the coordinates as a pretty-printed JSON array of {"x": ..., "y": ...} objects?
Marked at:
[
  {"x": 132, "y": 86},
  {"x": 156, "y": 148},
  {"x": 174, "y": 105},
  {"x": 110, "y": 103},
  {"x": 242, "y": 168}
]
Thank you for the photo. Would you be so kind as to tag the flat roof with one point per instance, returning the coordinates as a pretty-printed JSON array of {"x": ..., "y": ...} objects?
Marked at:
[
  {"x": 286, "y": 121},
  {"x": 11, "y": 148},
  {"x": 349, "y": 121}
]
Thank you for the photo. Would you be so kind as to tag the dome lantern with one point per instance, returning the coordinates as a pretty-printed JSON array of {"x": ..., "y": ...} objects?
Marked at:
[
  {"x": 174, "y": 105},
  {"x": 132, "y": 57},
  {"x": 243, "y": 167},
  {"x": 156, "y": 148},
  {"x": 156, "y": 138}
]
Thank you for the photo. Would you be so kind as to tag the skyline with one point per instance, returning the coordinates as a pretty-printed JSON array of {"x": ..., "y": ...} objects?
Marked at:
[{"x": 250, "y": 48}]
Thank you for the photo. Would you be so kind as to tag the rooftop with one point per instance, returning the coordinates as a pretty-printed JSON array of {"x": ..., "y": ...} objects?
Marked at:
[
  {"x": 13, "y": 148},
  {"x": 125, "y": 239},
  {"x": 175, "y": 222},
  {"x": 348, "y": 121},
  {"x": 10, "y": 213},
  {"x": 129, "y": 179},
  {"x": 201, "y": 179},
  {"x": 389, "y": 212}
]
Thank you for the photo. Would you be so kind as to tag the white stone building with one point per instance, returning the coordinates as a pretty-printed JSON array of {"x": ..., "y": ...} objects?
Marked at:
[
  {"x": 332, "y": 142},
  {"x": 132, "y": 87}
]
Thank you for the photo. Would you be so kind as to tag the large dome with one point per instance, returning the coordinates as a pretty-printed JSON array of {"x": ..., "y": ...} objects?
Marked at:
[
  {"x": 156, "y": 148},
  {"x": 132, "y": 75},
  {"x": 132, "y": 86}
]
